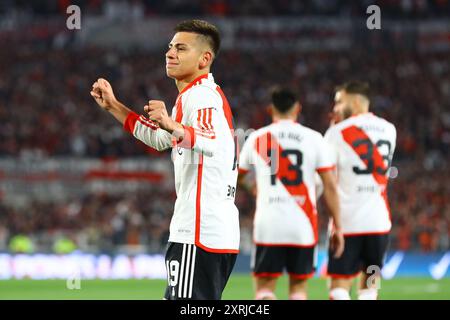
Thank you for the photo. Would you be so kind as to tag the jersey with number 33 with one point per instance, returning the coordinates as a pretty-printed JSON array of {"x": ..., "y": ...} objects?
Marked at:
[{"x": 363, "y": 147}]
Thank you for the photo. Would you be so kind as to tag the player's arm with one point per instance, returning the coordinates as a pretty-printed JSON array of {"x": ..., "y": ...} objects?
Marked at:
[
  {"x": 328, "y": 157},
  {"x": 241, "y": 181},
  {"x": 245, "y": 164},
  {"x": 241, "y": 177},
  {"x": 331, "y": 196},
  {"x": 198, "y": 131},
  {"x": 142, "y": 128},
  {"x": 104, "y": 96}
]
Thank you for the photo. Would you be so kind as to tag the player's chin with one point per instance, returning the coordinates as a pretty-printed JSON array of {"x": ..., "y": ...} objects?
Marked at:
[{"x": 171, "y": 73}]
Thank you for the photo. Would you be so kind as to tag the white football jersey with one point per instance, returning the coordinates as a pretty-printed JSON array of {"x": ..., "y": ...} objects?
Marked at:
[
  {"x": 286, "y": 157},
  {"x": 205, "y": 166},
  {"x": 363, "y": 146}
]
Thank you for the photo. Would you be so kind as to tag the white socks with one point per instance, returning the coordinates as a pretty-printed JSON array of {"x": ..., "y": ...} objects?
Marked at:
[
  {"x": 363, "y": 294},
  {"x": 298, "y": 296},
  {"x": 265, "y": 294},
  {"x": 368, "y": 294},
  {"x": 339, "y": 294}
]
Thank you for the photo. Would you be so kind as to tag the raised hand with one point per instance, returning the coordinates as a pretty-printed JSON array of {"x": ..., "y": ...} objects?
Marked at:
[
  {"x": 103, "y": 94},
  {"x": 157, "y": 112}
]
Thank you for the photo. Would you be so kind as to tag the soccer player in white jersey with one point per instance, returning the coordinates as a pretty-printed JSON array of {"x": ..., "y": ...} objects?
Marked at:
[
  {"x": 204, "y": 230},
  {"x": 286, "y": 156},
  {"x": 363, "y": 146}
]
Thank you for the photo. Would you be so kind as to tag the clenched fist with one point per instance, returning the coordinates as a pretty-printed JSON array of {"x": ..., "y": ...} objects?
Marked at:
[
  {"x": 103, "y": 93},
  {"x": 157, "y": 112}
]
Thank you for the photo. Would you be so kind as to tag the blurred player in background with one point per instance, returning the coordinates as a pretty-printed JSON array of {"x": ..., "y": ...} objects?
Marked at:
[
  {"x": 204, "y": 230},
  {"x": 363, "y": 146},
  {"x": 286, "y": 157}
]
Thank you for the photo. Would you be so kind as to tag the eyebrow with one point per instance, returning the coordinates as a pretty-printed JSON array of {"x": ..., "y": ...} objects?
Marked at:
[{"x": 177, "y": 45}]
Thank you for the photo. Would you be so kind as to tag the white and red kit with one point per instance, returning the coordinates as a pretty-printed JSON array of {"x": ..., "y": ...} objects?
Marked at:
[
  {"x": 363, "y": 146},
  {"x": 205, "y": 166},
  {"x": 286, "y": 156}
]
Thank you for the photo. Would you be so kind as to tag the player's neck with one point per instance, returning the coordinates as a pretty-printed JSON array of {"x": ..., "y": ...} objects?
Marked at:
[
  {"x": 360, "y": 112},
  {"x": 183, "y": 83},
  {"x": 277, "y": 118}
]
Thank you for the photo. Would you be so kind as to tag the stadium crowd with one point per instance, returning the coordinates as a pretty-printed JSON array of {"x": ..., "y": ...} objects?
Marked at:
[{"x": 46, "y": 112}]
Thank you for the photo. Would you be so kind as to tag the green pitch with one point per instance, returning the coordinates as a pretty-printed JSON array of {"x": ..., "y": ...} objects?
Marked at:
[{"x": 239, "y": 287}]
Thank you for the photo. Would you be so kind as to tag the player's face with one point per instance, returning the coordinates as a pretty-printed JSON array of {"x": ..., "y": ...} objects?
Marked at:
[
  {"x": 342, "y": 105},
  {"x": 183, "y": 56}
]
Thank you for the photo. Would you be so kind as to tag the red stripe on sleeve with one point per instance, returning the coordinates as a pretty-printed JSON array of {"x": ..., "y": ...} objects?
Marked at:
[
  {"x": 323, "y": 169},
  {"x": 130, "y": 122},
  {"x": 188, "y": 141},
  {"x": 209, "y": 119},
  {"x": 199, "y": 115},
  {"x": 205, "y": 125},
  {"x": 148, "y": 123}
]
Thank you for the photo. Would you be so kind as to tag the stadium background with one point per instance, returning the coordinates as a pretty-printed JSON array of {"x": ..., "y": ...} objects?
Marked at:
[{"x": 81, "y": 198}]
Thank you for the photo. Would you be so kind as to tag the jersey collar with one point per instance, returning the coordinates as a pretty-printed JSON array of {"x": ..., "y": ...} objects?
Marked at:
[
  {"x": 196, "y": 81},
  {"x": 362, "y": 114},
  {"x": 284, "y": 120}
]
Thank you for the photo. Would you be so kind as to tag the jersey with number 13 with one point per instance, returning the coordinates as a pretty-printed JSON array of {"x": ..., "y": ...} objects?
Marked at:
[{"x": 286, "y": 156}]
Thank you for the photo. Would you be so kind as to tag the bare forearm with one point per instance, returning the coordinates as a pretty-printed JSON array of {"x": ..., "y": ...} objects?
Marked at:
[
  {"x": 119, "y": 111},
  {"x": 332, "y": 201},
  {"x": 241, "y": 182},
  {"x": 331, "y": 196}
]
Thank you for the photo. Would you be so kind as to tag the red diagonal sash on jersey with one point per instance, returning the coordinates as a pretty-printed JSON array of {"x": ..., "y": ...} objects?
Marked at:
[
  {"x": 353, "y": 133},
  {"x": 268, "y": 142}
]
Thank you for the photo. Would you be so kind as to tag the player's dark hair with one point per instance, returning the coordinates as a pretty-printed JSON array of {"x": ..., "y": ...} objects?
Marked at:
[
  {"x": 283, "y": 99},
  {"x": 204, "y": 28},
  {"x": 355, "y": 87}
]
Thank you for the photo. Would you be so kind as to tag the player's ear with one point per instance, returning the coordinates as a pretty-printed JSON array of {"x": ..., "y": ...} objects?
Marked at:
[
  {"x": 354, "y": 102},
  {"x": 297, "y": 108},
  {"x": 205, "y": 59},
  {"x": 269, "y": 110}
]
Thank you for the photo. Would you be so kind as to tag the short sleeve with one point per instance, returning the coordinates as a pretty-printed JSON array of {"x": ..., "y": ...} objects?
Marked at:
[{"x": 326, "y": 159}]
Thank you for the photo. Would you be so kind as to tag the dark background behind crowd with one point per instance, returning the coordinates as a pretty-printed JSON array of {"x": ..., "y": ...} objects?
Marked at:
[
  {"x": 46, "y": 112},
  {"x": 235, "y": 8}
]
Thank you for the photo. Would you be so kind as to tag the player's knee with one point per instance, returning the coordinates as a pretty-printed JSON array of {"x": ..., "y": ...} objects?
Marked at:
[
  {"x": 339, "y": 294},
  {"x": 265, "y": 294},
  {"x": 368, "y": 294}
]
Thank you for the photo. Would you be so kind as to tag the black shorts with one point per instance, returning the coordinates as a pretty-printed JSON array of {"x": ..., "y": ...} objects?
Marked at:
[
  {"x": 360, "y": 252},
  {"x": 271, "y": 261},
  {"x": 193, "y": 273}
]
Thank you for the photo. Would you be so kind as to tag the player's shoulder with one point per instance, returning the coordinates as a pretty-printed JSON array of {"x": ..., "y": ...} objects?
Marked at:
[
  {"x": 386, "y": 123},
  {"x": 372, "y": 119},
  {"x": 360, "y": 119},
  {"x": 253, "y": 135},
  {"x": 310, "y": 131},
  {"x": 204, "y": 90},
  {"x": 203, "y": 94},
  {"x": 258, "y": 133},
  {"x": 310, "y": 134},
  {"x": 337, "y": 128}
]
